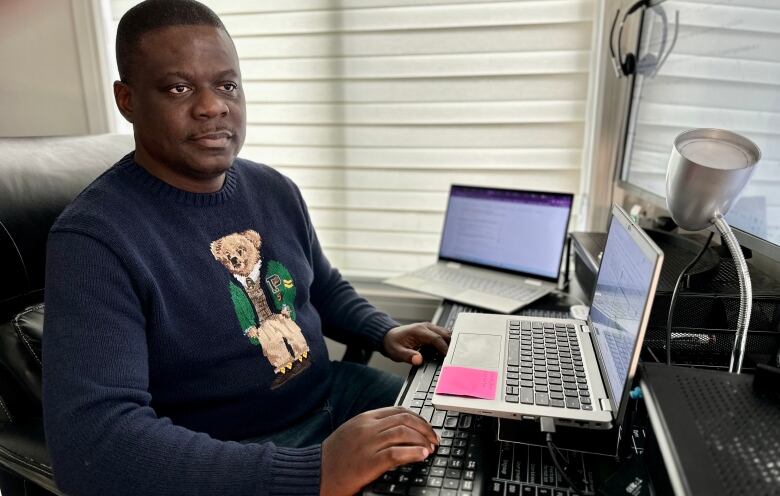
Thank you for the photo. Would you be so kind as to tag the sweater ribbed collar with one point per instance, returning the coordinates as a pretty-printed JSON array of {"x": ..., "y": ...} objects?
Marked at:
[{"x": 160, "y": 188}]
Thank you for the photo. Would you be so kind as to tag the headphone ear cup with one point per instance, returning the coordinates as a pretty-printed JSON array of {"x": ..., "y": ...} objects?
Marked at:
[
  {"x": 647, "y": 64},
  {"x": 629, "y": 65}
]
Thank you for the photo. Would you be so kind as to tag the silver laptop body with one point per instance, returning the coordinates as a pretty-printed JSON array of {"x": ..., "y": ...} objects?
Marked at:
[
  {"x": 601, "y": 353},
  {"x": 500, "y": 249}
]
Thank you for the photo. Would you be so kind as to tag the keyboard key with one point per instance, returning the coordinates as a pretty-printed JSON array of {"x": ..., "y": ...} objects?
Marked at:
[
  {"x": 556, "y": 388},
  {"x": 512, "y": 390},
  {"x": 424, "y": 491},
  {"x": 443, "y": 451},
  {"x": 468, "y": 475},
  {"x": 585, "y": 401},
  {"x": 513, "y": 354},
  {"x": 438, "y": 418},
  {"x": 571, "y": 393},
  {"x": 427, "y": 413},
  {"x": 465, "y": 421},
  {"x": 528, "y": 491},
  {"x": 447, "y": 433},
  {"x": 556, "y": 395},
  {"x": 557, "y": 403},
  {"x": 527, "y": 396},
  {"x": 451, "y": 483},
  {"x": 454, "y": 463},
  {"x": 389, "y": 488},
  {"x": 573, "y": 403},
  {"x": 587, "y": 407},
  {"x": 512, "y": 489},
  {"x": 511, "y": 398},
  {"x": 451, "y": 422},
  {"x": 542, "y": 399},
  {"x": 467, "y": 485},
  {"x": 527, "y": 384},
  {"x": 437, "y": 471}
]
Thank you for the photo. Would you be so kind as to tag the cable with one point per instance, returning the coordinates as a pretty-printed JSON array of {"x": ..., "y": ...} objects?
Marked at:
[
  {"x": 547, "y": 425},
  {"x": 560, "y": 468},
  {"x": 673, "y": 302}
]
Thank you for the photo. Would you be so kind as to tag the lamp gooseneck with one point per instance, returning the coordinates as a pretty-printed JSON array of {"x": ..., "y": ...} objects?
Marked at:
[{"x": 745, "y": 293}]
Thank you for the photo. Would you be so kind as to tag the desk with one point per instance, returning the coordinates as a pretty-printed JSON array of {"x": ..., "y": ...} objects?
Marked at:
[{"x": 502, "y": 467}]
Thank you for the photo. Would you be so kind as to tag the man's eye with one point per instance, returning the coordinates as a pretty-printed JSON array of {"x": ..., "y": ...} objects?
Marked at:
[
  {"x": 230, "y": 87},
  {"x": 179, "y": 89}
]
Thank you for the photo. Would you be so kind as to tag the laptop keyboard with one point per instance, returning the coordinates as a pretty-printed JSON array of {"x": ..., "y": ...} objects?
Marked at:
[
  {"x": 544, "y": 366},
  {"x": 477, "y": 283}
]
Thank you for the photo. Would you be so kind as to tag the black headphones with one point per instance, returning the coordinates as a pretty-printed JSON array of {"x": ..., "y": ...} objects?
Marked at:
[{"x": 649, "y": 63}]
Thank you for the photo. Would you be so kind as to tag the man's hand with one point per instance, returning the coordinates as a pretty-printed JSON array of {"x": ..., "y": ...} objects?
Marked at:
[
  {"x": 401, "y": 343},
  {"x": 369, "y": 445}
]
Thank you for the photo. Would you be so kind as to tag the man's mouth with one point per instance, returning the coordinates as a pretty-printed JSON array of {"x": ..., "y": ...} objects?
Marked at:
[{"x": 217, "y": 139}]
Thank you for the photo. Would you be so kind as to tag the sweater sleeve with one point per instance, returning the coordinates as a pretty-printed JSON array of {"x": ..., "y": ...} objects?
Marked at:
[
  {"x": 346, "y": 316},
  {"x": 102, "y": 433}
]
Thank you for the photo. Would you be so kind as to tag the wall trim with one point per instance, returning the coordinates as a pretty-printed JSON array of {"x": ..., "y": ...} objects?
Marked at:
[{"x": 91, "y": 45}]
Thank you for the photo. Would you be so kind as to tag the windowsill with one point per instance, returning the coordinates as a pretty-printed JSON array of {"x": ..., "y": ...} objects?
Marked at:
[{"x": 401, "y": 304}]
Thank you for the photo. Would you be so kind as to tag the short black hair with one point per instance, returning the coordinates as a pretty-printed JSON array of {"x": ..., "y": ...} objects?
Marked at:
[{"x": 150, "y": 15}]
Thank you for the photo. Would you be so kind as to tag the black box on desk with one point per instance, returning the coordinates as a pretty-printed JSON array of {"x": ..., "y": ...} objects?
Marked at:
[{"x": 707, "y": 308}]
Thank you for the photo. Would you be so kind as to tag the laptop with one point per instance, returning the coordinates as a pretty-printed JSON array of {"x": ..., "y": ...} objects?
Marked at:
[
  {"x": 576, "y": 372},
  {"x": 500, "y": 249}
]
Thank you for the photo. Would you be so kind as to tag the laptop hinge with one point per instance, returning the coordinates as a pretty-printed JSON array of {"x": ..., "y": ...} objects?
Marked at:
[
  {"x": 605, "y": 404},
  {"x": 586, "y": 329}
]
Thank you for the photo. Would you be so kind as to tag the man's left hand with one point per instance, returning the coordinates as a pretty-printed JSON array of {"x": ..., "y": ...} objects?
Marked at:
[{"x": 402, "y": 343}]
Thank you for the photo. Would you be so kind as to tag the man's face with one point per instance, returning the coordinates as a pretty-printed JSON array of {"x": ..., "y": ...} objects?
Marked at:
[{"x": 186, "y": 103}]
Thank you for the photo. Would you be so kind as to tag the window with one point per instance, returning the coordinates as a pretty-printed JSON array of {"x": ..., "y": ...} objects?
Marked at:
[{"x": 374, "y": 107}]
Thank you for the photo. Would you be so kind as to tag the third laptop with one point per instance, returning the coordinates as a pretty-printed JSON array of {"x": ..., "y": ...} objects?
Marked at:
[
  {"x": 500, "y": 249},
  {"x": 577, "y": 372}
]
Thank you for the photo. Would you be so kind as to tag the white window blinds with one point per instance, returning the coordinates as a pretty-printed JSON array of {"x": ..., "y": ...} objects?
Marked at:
[{"x": 374, "y": 107}]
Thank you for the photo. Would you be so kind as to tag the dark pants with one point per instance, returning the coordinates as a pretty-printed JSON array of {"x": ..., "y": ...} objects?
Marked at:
[{"x": 354, "y": 389}]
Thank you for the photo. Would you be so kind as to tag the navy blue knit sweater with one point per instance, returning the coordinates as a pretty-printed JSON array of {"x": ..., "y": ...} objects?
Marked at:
[{"x": 177, "y": 323}]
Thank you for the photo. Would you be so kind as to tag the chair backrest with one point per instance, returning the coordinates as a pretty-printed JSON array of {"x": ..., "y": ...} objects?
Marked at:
[{"x": 38, "y": 178}]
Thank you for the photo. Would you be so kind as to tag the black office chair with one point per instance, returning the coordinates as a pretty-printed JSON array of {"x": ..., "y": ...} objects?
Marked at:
[{"x": 38, "y": 178}]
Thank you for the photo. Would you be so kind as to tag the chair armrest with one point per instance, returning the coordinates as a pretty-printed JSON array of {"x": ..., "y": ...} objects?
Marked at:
[{"x": 23, "y": 452}]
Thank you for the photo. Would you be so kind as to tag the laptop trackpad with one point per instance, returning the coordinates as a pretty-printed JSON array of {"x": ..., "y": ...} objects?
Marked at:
[{"x": 478, "y": 351}]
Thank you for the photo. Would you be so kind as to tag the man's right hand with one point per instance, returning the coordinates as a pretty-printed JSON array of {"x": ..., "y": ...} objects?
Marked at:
[{"x": 369, "y": 445}]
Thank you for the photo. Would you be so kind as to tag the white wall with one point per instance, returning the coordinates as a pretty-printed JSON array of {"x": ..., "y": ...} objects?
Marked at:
[{"x": 48, "y": 85}]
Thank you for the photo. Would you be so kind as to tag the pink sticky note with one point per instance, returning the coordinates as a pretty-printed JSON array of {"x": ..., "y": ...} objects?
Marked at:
[{"x": 465, "y": 381}]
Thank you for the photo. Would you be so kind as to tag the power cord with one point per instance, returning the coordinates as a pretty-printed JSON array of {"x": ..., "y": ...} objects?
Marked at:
[
  {"x": 548, "y": 427},
  {"x": 673, "y": 302}
]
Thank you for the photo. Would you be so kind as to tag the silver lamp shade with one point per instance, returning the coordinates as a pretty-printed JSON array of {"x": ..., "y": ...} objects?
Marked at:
[{"x": 708, "y": 169}]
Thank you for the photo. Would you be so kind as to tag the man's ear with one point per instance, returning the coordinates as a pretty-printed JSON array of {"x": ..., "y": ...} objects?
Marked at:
[{"x": 123, "y": 96}]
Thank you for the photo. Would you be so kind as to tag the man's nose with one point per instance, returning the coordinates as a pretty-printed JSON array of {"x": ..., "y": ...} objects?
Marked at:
[{"x": 209, "y": 105}]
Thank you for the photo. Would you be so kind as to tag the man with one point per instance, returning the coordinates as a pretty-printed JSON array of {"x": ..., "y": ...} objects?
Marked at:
[{"x": 186, "y": 294}]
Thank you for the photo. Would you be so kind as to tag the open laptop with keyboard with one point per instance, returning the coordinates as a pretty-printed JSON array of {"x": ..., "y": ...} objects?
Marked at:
[
  {"x": 470, "y": 461},
  {"x": 575, "y": 372},
  {"x": 500, "y": 249}
]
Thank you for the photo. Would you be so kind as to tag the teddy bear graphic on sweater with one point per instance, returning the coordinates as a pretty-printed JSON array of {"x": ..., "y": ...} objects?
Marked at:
[{"x": 277, "y": 334}]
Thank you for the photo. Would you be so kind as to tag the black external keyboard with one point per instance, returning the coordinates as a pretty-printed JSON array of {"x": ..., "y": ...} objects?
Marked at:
[
  {"x": 447, "y": 318},
  {"x": 525, "y": 469},
  {"x": 452, "y": 469}
]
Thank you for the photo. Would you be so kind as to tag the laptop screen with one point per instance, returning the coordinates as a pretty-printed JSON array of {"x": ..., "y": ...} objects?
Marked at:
[
  {"x": 517, "y": 231},
  {"x": 622, "y": 291}
]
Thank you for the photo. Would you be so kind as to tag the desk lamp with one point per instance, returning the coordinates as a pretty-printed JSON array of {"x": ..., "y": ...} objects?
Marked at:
[{"x": 708, "y": 169}]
